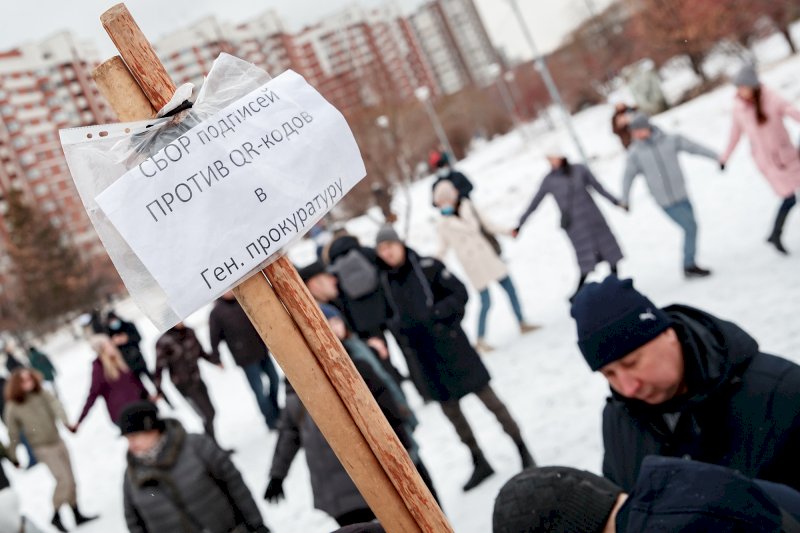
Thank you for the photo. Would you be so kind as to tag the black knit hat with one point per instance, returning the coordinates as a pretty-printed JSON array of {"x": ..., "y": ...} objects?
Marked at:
[
  {"x": 613, "y": 320},
  {"x": 140, "y": 416},
  {"x": 314, "y": 269},
  {"x": 556, "y": 499}
]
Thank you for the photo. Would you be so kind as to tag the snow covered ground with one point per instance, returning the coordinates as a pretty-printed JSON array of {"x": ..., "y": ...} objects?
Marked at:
[{"x": 541, "y": 376}]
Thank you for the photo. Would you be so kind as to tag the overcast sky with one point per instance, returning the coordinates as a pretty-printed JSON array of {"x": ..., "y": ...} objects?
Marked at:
[{"x": 22, "y": 20}]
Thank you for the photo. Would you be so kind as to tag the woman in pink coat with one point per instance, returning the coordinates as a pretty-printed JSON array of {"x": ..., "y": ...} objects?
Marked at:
[{"x": 758, "y": 112}]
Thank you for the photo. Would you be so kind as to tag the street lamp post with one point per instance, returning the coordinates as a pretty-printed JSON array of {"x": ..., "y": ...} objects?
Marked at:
[
  {"x": 495, "y": 72},
  {"x": 541, "y": 67},
  {"x": 423, "y": 94}
]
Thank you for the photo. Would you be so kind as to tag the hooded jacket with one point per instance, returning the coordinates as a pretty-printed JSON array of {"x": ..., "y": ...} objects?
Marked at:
[
  {"x": 678, "y": 495},
  {"x": 190, "y": 483},
  {"x": 741, "y": 410},
  {"x": 657, "y": 159}
]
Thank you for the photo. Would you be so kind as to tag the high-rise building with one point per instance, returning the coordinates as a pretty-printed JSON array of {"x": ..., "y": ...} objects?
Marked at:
[
  {"x": 46, "y": 86},
  {"x": 368, "y": 57},
  {"x": 455, "y": 42},
  {"x": 356, "y": 57},
  {"x": 189, "y": 53}
]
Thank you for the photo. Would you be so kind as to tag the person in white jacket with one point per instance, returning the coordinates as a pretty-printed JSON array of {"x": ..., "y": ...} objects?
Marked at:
[{"x": 462, "y": 229}]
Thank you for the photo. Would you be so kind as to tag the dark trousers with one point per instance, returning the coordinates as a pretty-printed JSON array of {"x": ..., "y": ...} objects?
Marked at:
[
  {"x": 452, "y": 410},
  {"x": 267, "y": 403},
  {"x": 196, "y": 395}
]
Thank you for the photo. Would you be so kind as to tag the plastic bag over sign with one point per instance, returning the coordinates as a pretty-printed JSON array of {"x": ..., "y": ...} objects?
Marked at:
[{"x": 171, "y": 259}]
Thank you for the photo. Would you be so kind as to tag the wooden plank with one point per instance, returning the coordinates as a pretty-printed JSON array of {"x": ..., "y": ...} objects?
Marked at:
[
  {"x": 122, "y": 92},
  {"x": 139, "y": 55},
  {"x": 354, "y": 425}
]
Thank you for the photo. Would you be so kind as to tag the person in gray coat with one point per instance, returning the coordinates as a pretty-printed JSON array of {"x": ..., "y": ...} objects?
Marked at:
[
  {"x": 580, "y": 218},
  {"x": 181, "y": 482},
  {"x": 655, "y": 155}
]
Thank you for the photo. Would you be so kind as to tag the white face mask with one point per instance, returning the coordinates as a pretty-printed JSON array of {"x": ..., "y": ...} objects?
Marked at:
[{"x": 443, "y": 172}]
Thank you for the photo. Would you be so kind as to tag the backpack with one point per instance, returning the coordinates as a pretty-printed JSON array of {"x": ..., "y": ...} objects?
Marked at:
[{"x": 358, "y": 277}]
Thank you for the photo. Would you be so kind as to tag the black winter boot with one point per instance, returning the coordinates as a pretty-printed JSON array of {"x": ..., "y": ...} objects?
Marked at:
[
  {"x": 777, "y": 232},
  {"x": 525, "y": 455},
  {"x": 482, "y": 471},
  {"x": 79, "y": 518},
  {"x": 56, "y": 521}
]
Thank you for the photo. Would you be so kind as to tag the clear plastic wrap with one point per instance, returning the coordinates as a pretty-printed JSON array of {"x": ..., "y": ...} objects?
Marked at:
[{"x": 98, "y": 156}]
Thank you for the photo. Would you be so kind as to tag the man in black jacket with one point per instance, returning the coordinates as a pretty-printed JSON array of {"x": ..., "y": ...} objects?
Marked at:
[
  {"x": 228, "y": 322},
  {"x": 687, "y": 384},
  {"x": 425, "y": 307}
]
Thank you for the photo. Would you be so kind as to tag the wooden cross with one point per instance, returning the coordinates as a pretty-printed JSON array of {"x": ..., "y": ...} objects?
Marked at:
[{"x": 280, "y": 307}]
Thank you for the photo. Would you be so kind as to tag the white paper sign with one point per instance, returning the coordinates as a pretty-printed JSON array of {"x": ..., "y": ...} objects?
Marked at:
[{"x": 221, "y": 199}]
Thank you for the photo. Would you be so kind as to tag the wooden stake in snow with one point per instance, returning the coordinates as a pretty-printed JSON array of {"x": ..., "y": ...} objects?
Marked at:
[{"x": 291, "y": 324}]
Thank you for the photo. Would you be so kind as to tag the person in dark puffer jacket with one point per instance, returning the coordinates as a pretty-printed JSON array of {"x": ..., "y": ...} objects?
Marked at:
[
  {"x": 181, "y": 482},
  {"x": 685, "y": 383}
]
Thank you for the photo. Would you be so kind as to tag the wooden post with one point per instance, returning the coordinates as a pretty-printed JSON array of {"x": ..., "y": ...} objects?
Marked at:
[
  {"x": 121, "y": 90},
  {"x": 292, "y": 326}
]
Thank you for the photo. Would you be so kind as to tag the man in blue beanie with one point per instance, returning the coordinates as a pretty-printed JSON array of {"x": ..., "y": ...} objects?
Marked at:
[{"x": 685, "y": 383}]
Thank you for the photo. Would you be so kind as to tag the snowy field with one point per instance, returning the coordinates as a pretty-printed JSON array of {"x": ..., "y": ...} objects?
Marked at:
[{"x": 541, "y": 376}]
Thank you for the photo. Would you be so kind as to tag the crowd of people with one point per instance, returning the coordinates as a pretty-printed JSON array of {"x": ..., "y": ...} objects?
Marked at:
[{"x": 699, "y": 431}]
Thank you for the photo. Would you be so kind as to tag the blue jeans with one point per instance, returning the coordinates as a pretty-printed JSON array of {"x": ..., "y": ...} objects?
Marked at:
[
  {"x": 268, "y": 404},
  {"x": 486, "y": 303},
  {"x": 683, "y": 215}
]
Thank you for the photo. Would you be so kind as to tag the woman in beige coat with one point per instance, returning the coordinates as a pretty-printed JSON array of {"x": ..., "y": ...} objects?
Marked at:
[
  {"x": 34, "y": 411},
  {"x": 460, "y": 229}
]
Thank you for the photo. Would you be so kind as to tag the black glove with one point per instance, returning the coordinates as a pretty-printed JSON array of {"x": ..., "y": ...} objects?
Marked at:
[
  {"x": 274, "y": 492},
  {"x": 260, "y": 529}
]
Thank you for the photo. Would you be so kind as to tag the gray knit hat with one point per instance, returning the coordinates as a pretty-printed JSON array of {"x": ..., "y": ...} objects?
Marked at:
[
  {"x": 387, "y": 234},
  {"x": 557, "y": 499},
  {"x": 747, "y": 77},
  {"x": 640, "y": 121}
]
